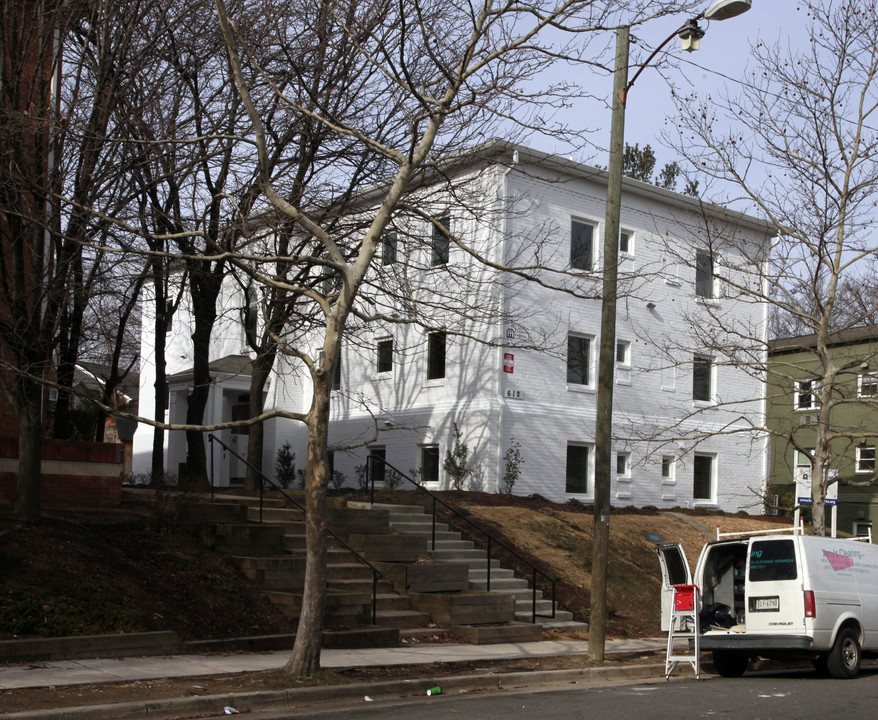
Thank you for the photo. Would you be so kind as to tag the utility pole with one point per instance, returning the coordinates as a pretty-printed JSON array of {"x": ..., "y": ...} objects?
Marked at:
[{"x": 597, "y": 628}]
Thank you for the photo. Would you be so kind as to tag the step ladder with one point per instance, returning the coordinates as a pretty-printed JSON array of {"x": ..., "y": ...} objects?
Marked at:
[{"x": 684, "y": 627}]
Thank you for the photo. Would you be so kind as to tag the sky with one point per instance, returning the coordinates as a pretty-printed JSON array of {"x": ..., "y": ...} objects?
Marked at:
[{"x": 723, "y": 58}]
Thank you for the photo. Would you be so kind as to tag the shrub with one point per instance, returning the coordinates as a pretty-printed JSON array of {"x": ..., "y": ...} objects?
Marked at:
[
  {"x": 285, "y": 466},
  {"x": 512, "y": 462},
  {"x": 337, "y": 479},
  {"x": 456, "y": 462}
]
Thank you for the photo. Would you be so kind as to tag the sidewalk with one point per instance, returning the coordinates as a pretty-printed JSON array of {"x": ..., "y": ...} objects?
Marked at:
[{"x": 74, "y": 672}]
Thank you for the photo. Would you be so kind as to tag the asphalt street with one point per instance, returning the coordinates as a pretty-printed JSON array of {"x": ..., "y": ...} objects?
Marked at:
[{"x": 801, "y": 695}]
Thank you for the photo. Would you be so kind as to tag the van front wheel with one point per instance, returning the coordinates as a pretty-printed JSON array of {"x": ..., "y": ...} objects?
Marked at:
[
  {"x": 843, "y": 661},
  {"x": 730, "y": 663}
]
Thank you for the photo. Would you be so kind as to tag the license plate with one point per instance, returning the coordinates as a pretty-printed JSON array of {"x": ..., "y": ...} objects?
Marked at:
[{"x": 765, "y": 604}]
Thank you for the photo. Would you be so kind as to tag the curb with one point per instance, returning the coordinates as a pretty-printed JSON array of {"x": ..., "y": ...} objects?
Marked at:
[{"x": 211, "y": 705}]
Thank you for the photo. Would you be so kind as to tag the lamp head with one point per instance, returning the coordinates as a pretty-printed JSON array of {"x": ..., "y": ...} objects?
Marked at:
[
  {"x": 690, "y": 36},
  {"x": 725, "y": 9}
]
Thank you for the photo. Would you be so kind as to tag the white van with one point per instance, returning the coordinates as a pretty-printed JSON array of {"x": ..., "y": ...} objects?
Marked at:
[{"x": 781, "y": 596}]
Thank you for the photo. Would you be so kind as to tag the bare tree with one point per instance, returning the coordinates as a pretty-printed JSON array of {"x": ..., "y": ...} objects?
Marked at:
[
  {"x": 798, "y": 146},
  {"x": 429, "y": 79}
]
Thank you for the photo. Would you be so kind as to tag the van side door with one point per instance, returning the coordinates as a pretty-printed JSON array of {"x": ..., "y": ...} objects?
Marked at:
[{"x": 675, "y": 571}]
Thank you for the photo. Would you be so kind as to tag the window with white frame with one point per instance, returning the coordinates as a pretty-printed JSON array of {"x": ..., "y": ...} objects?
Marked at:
[
  {"x": 867, "y": 384},
  {"x": 389, "y": 246},
  {"x": 578, "y": 360},
  {"x": 865, "y": 458},
  {"x": 626, "y": 242},
  {"x": 623, "y": 352},
  {"x": 803, "y": 462},
  {"x": 430, "y": 464},
  {"x": 577, "y": 469},
  {"x": 623, "y": 465},
  {"x": 384, "y": 355},
  {"x": 669, "y": 468},
  {"x": 581, "y": 245},
  {"x": 440, "y": 242},
  {"x": 436, "y": 355},
  {"x": 704, "y": 284},
  {"x": 703, "y": 477},
  {"x": 806, "y": 395},
  {"x": 377, "y": 458},
  {"x": 702, "y": 378}
]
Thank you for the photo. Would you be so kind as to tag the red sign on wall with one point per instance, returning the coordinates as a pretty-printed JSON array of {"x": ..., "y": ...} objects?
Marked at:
[{"x": 508, "y": 362}]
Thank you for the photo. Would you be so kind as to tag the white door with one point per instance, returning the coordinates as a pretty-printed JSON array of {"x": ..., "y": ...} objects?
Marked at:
[{"x": 675, "y": 571}]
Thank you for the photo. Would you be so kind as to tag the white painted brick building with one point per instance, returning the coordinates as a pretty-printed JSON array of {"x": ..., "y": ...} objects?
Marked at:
[{"x": 532, "y": 378}]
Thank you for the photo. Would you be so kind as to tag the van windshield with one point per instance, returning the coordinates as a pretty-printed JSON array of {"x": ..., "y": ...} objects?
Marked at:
[{"x": 772, "y": 560}]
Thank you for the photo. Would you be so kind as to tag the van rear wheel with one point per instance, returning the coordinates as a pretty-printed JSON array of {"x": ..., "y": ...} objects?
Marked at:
[
  {"x": 843, "y": 661},
  {"x": 730, "y": 663}
]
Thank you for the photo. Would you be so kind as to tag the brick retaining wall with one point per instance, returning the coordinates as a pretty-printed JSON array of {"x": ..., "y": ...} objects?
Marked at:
[{"x": 74, "y": 472}]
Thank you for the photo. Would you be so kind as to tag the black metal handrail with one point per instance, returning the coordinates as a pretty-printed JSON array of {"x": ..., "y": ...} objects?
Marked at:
[
  {"x": 490, "y": 538},
  {"x": 376, "y": 573}
]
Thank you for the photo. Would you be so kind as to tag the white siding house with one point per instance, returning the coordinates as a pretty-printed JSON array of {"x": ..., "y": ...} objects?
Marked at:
[{"x": 516, "y": 358}]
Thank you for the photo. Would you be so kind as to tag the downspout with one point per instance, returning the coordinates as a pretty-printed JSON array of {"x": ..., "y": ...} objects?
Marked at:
[
  {"x": 766, "y": 453},
  {"x": 504, "y": 195}
]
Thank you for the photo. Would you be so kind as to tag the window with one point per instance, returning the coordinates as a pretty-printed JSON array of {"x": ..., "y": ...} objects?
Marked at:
[
  {"x": 772, "y": 560},
  {"x": 865, "y": 458},
  {"x": 435, "y": 355},
  {"x": 803, "y": 462},
  {"x": 806, "y": 395},
  {"x": 388, "y": 249},
  {"x": 702, "y": 476},
  {"x": 623, "y": 353},
  {"x": 626, "y": 242},
  {"x": 667, "y": 468},
  {"x": 377, "y": 456},
  {"x": 384, "y": 356},
  {"x": 703, "y": 274},
  {"x": 702, "y": 381},
  {"x": 440, "y": 244},
  {"x": 577, "y": 469},
  {"x": 430, "y": 464},
  {"x": 867, "y": 384},
  {"x": 578, "y": 360},
  {"x": 623, "y": 466},
  {"x": 862, "y": 528},
  {"x": 581, "y": 245}
]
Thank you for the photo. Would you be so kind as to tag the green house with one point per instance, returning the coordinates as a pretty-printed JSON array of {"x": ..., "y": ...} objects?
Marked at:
[{"x": 793, "y": 409}]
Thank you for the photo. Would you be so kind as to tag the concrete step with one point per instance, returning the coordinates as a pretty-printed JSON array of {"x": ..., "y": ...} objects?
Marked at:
[
  {"x": 418, "y": 528},
  {"x": 544, "y": 606},
  {"x": 410, "y": 509},
  {"x": 348, "y": 571},
  {"x": 392, "y": 601},
  {"x": 276, "y": 514},
  {"x": 481, "y": 573},
  {"x": 456, "y": 555},
  {"x": 524, "y": 593},
  {"x": 415, "y": 518},
  {"x": 428, "y": 533},
  {"x": 499, "y": 583},
  {"x": 472, "y": 563},
  {"x": 401, "y": 618},
  {"x": 561, "y": 618},
  {"x": 451, "y": 544}
]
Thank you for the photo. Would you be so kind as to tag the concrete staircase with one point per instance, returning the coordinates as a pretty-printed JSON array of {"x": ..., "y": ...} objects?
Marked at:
[
  {"x": 349, "y": 581},
  {"x": 412, "y": 520}
]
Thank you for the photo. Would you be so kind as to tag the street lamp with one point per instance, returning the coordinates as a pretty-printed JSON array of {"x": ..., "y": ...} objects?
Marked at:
[{"x": 690, "y": 34}]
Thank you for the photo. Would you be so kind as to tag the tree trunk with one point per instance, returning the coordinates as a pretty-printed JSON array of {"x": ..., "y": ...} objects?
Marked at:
[
  {"x": 205, "y": 287},
  {"x": 30, "y": 450},
  {"x": 305, "y": 660},
  {"x": 260, "y": 371}
]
